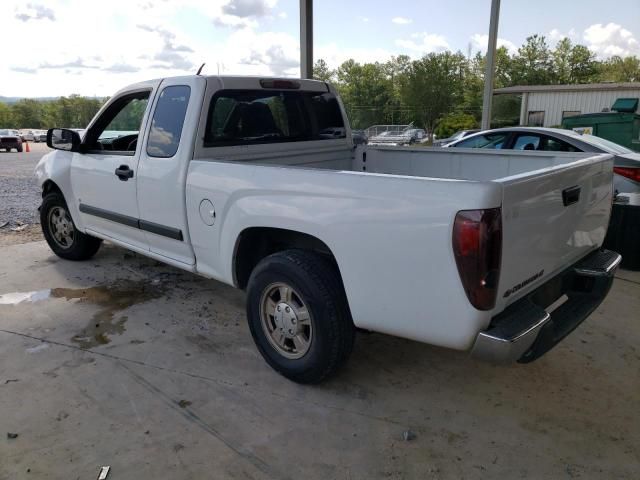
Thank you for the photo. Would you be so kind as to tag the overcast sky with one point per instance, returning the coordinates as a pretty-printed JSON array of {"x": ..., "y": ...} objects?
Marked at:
[{"x": 60, "y": 47}]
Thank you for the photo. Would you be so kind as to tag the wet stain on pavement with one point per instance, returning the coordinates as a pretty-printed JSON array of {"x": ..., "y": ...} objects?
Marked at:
[
  {"x": 203, "y": 343},
  {"x": 111, "y": 300}
]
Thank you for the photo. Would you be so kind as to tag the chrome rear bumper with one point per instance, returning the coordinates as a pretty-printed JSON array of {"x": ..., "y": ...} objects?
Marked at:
[{"x": 525, "y": 330}]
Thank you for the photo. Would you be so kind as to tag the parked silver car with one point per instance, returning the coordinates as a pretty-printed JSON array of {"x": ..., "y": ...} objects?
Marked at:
[
  {"x": 28, "y": 135},
  {"x": 626, "y": 164},
  {"x": 41, "y": 136}
]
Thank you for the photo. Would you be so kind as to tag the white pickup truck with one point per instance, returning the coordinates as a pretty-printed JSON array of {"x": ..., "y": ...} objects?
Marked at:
[{"x": 246, "y": 181}]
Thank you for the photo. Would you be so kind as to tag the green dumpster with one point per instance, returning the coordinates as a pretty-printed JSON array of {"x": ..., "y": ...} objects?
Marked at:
[{"x": 622, "y": 125}]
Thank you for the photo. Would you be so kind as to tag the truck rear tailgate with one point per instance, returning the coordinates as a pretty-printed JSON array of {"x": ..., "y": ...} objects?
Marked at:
[{"x": 551, "y": 219}]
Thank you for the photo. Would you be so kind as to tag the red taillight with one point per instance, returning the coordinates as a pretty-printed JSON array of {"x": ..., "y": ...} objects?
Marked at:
[
  {"x": 628, "y": 172},
  {"x": 477, "y": 247}
]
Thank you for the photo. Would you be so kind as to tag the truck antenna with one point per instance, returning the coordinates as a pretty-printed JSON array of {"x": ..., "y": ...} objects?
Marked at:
[{"x": 200, "y": 69}]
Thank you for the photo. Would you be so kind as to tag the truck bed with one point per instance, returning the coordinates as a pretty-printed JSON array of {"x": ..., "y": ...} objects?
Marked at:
[
  {"x": 437, "y": 163},
  {"x": 373, "y": 207},
  {"x": 458, "y": 164}
]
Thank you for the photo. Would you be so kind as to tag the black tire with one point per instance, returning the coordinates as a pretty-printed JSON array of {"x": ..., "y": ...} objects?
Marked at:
[
  {"x": 19, "y": 149},
  {"x": 81, "y": 246},
  {"x": 316, "y": 281}
]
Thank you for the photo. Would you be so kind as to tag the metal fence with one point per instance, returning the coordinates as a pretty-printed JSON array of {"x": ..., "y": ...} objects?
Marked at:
[{"x": 375, "y": 130}]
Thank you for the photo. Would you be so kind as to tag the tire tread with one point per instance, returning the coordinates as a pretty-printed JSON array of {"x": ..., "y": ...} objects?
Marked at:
[
  {"x": 338, "y": 321},
  {"x": 85, "y": 246}
]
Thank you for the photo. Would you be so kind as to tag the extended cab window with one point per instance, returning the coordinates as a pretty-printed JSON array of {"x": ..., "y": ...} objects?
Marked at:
[
  {"x": 246, "y": 117},
  {"x": 168, "y": 118},
  {"x": 116, "y": 130}
]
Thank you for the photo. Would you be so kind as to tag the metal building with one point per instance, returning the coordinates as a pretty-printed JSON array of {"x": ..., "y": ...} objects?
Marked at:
[{"x": 547, "y": 105}]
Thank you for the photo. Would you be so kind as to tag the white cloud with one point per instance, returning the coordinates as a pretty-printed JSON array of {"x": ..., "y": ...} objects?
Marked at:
[
  {"x": 239, "y": 13},
  {"x": 97, "y": 51},
  {"x": 363, "y": 19},
  {"x": 256, "y": 53},
  {"x": 424, "y": 43},
  {"x": 401, "y": 20},
  {"x": 556, "y": 35},
  {"x": 33, "y": 11},
  {"x": 282, "y": 15},
  {"x": 611, "y": 39},
  {"x": 247, "y": 8},
  {"x": 480, "y": 41}
]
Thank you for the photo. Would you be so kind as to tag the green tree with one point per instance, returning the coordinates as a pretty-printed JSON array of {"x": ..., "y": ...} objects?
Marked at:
[
  {"x": 6, "y": 119},
  {"x": 366, "y": 91},
  {"x": 618, "y": 69},
  {"x": 505, "y": 65},
  {"x": 434, "y": 85},
  {"x": 396, "y": 69},
  {"x": 27, "y": 113},
  {"x": 505, "y": 111},
  {"x": 533, "y": 63},
  {"x": 321, "y": 71},
  {"x": 583, "y": 65},
  {"x": 455, "y": 122},
  {"x": 562, "y": 61},
  {"x": 474, "y": 86}
]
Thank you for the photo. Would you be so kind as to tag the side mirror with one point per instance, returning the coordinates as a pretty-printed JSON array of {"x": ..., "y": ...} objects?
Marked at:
[{"x": 63, "y": 139}]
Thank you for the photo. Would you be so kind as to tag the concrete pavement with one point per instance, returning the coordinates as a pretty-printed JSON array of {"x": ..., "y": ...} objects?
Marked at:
[{"x": 125, "y": 362}]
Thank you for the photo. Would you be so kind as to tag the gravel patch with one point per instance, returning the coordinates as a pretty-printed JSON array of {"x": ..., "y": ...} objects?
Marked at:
[{"x": 19, "y": 192}]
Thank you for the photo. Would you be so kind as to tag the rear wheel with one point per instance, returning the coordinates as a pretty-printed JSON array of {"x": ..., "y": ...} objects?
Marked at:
[
  {"x": 298, "y": 315},
  {"x": 60, "y": 232},
  {"x": 19, "y": 149}
]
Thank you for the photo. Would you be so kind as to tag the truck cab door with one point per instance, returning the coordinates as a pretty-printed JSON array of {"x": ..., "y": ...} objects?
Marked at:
[
  {"x": 104, "y": 174},
  {"x": 164, "y": 162}
]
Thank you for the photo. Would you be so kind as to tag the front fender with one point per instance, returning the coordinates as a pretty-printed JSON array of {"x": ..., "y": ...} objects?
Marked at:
[{"x": 56, "y": 167}]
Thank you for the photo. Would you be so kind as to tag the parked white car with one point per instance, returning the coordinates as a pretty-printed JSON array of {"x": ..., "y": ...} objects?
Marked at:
[
  {"x": 626, "y": 163},
  {"x": 232, "y": 178}
]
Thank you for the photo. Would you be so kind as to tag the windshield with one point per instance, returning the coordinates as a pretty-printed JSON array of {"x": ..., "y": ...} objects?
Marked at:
[
  {"x": 607, "y": 145},
  {"x": 5, "y": 132}
]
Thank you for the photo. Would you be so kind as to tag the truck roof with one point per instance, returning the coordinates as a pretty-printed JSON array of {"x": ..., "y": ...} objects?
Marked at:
[{"x": 241, "y": 82}]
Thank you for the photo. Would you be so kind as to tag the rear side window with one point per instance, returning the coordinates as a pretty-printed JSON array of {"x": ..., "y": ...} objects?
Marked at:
[
  {"x": 167, "y": 122},
  {"x": 527, "y": 142},
  {"x": 247, "y": 117},
  {"x": 554, "y": 145}
]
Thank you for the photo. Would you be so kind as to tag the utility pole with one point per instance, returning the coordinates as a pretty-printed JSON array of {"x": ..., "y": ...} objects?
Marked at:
[
  {"x": 306, "y": 38},
  {"x": 491, "y": 65}
]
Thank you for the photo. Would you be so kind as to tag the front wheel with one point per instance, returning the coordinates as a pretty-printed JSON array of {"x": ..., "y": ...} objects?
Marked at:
[
  {"x": 60, "y": 232},
  {"x": 298, "y": 315}
]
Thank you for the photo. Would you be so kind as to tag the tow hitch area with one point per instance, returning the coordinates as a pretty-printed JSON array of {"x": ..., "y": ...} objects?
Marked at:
[{"x": 525, "y": 330}]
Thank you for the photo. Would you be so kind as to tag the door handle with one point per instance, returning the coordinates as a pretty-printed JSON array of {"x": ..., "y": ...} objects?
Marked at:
[
  {"x": 124, "y": 173},
  {"x": 570, "y": 195}
]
